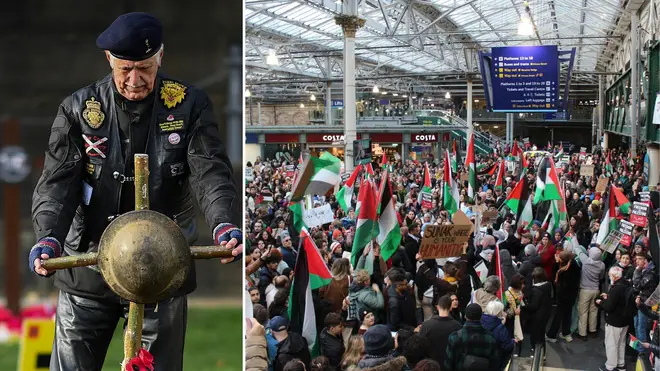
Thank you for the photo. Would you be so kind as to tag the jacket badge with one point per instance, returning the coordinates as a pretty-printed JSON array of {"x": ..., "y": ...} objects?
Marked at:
[
  {"x": 93, "y": 114},
  {"x": 172, "y": 93}
]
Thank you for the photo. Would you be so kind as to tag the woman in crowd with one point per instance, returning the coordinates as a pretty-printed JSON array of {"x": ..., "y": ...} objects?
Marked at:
[{"x": 539, "y": 307}]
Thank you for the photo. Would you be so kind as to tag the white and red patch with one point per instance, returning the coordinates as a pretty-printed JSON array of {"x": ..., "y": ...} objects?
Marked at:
[
  {"x": 96, "y": 146},
  {"x": 174, "y": 138}
]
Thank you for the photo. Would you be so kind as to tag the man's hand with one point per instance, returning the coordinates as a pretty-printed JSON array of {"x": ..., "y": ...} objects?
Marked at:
[
  {"x": 45, "y": 249},
  {"x": 638, "y": 301},
  {"x": 229, "y": 236}
]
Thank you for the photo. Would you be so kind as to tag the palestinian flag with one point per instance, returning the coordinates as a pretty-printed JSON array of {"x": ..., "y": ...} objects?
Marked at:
[
  {"x": 518, "y": 197},
  {"x": 345, "y": 194},
  {"x": 454, "y": 158},
  {"x": 470, "y": 167},
  {"x": 369, "y": 169},
  {"x": 297, "y": 210},
  {"x": 621, "y": 200},
  {"x": 498, "y": 272},
  {"x": 487, "y": 170},
  {"x": 389, "y": 232},
  {"x": 310, "y": 273},
  {"x": 383, "y": 162},
  {"x": 515, "y": 150},
  {"x": 367, "y": 228},
  {"x": 608, "y": 223},
  {"x": 608, "y": 165},
  {"x": 547, "y": 182},
  {"x": 526, "y": 217},
  {"x": 450, "y": 191},
  {"x": 499, "y": 181},
  {"x": 634, "y": 343},
  {"x": 523, "y": 165},
  {"x": 317, "y": 176},
  {"x": 426, "y": 187}
]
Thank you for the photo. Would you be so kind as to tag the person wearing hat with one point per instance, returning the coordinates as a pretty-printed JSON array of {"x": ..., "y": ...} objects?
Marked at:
[
  {"x": 88, "y": 180},
  {"x": 284, "y": 346},
  {"x": 645, "y": 280},
  {"x": 472, "y": 348},
  {"x": 378, "y": 347}
]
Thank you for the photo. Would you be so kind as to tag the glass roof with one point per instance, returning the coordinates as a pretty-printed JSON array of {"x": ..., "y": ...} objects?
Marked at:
[{"x": 423, "y": 35}]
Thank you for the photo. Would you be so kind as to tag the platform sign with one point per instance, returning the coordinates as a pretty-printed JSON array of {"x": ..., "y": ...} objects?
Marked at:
[
  {"x": 525, "y": 79},
  {"x": 36, "y": 344}
]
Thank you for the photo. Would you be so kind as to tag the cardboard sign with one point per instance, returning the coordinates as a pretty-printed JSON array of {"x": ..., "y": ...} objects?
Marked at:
[
  {"x": 427, "y": 200},
  {"x": 626, "y": 229},
  {"x": 464, "y": 177},
  {"x": 601, "y": 186},
  {"x": 654, "y": 298},
  {"x": 290, "y": 170},
  {"x": 639, "y": 212},
  {"x": 442, "y": 241},
  {"x": 489, "y": 217},
  {"x": 611, "y": 241},
  {"x": 587, "y": 170},
  {"x": 318, "y": 216},
  {"x": 249, "y": 175},
  {"x": 36, "y": 344}
]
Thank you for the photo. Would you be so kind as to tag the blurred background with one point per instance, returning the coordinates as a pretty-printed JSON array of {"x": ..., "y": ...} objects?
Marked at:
[{"x": 48, "y": 51}]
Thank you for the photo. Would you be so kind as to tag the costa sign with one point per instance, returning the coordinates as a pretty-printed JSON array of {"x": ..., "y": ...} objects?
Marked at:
[
  {"x": 324, "y": 138},
  {"x": 424, "y": 138}
]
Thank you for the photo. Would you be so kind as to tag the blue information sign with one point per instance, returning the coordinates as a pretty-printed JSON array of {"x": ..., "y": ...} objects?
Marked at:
[
  {"x": 337, "y": 103},
  {"x": 525, "y": 78}
]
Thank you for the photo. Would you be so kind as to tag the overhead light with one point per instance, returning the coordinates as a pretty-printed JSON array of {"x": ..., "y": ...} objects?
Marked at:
[
  {"x": 429, "y": 98},
  {"x": 338, "y": 2},
  {"x": 302, "y": 105},
  {"x": 395, "y": 94},
  {"x": 405, "y": 96},
  {"x": 525, "y": 28},
  {"x": 384, "y": 92},
  {"x": 476, "y": 101},
  {"x": 312, "y": 97},
  {"x": 414, "y": 97},
  {"x": 496, "y": 127},
  {"x": 375, "y": 89},
  {"x": 247, "y": 93},
  {"x": 447, "y": 96},
  {"x": 272, "y": 59},
  {"x": 432, "y": 105}
]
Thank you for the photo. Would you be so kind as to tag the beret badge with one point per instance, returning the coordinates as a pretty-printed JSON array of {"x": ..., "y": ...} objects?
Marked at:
[{"x": 172, "y": 93}]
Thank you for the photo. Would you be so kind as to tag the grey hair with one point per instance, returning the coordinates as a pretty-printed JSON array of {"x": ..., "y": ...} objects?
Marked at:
[
  {"x": 158, "y": 56},
  {"x": 494, "y": 308},
  {"x": 531, "y": 250},
  {"x": 616, "y": 273},
  {"x": 492, "y": 284}
]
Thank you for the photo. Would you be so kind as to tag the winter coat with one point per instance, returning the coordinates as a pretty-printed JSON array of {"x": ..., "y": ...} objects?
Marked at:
[
  {"x": 615, "y": 304},
  {"x": 294, "y": 346},
  {"x": 256, "y": 358},
  {"x": 526, "y": 270},
  {"x": 390, "y": 364},
  {"x": 437, "y": 330},
  {"x": 497, "y": 328},
  {"x": 335, "y": 293},
  {"x": 473, "y": 340},
  {"x": 593, "y": 269},
  {"x": 539, "y": 308},
  {"x": 401, "y": 308},
  {"x": 645, "y": 281},
  {"x": 332, "y": 347},
  {"x": 366, "y": 299},
  {"x": 568, "y": 284},
  {"x": 482, "y": 298}
]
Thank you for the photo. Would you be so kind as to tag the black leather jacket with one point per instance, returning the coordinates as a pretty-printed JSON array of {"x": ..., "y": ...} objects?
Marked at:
[{"x": 84, "y": 173}]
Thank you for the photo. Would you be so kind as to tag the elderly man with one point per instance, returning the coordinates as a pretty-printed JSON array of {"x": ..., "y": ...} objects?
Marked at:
[{"x": 88, "y": 181}]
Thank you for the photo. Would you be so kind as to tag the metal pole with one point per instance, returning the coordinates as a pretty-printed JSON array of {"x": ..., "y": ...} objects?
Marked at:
[
  {"x": 250, "y": 102},
  {"x": 634, "y": 82},
  {"x": 469, "y": 106},
  {"x": 258, "y": 113},
  {"x": 601, "y": 108}
]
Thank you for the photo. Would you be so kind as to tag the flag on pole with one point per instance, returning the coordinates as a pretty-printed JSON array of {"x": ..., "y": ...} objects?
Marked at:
[
  {"x": 454, "y": 158},
  {"x": 345, "y": 194},
  {"x": 499, "y": 181},
  {"x": 389, "y": 232},
  {"x": 426, "y": 187},
  {"x": 608, "y": 222},
  {"x": 317, "y": 176},
  {"x": 634, "y": 343},
  {"x": 310, "y": 273},
  {"x": 470, "y": 166},
  {"x": 450, "y": 191},
  {"x": 547, "y": 182},
  {"x": 383, "y": 162},
  {"x": 621, "y": 200},
  {"x": 367, "y": 227},
  {"x": 498, "y": 271},
  {"x": 517, "y": 198}
]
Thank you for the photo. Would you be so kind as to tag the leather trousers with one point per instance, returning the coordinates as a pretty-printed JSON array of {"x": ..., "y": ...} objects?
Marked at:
[{"x": 84, "y": 328}]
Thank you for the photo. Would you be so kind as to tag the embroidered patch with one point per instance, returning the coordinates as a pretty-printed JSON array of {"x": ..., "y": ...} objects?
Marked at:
[
  {"x": 172, "y": 93},
  {"x": 177, "y": 168},
  {"x": 174, "y": 139},
  {"x": 90, "y": 168},
  {"x": 95, "y": 146},
  {"x": 166, "y": 127},
  {"x": 93, "y": 114}
]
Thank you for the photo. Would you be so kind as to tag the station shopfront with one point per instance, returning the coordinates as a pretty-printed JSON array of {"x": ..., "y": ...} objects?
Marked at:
[{"x": 419, "y": 146}]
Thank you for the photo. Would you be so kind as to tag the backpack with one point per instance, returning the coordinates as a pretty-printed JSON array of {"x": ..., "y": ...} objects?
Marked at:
[{"x": 630, "y": 308}]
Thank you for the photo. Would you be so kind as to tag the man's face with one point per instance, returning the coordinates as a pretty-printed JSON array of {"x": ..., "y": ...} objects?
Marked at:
[
  {"x": 524, "y": 241},
  {"x": 257, "y": 227},
  {"x": 640, "y": 262},
  {"x": 254, "y": 296},
  {"x": 286, "y": 242},
  {"x": 134, "y": 80}
]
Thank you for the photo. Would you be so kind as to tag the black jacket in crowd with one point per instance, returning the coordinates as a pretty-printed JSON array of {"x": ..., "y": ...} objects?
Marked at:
[
  {"x": 615, "y": 304},
  {"x": 437, "y": 330},
  {"x": 88, "y": 171},
  {"x": 332, "y": 347}
]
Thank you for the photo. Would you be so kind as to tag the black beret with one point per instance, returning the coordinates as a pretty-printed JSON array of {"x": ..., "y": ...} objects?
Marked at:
[{"x": 132, "y": 36}]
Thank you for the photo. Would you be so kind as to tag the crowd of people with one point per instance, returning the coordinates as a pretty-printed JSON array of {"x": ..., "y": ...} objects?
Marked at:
[{"x": 412, "y": 313}]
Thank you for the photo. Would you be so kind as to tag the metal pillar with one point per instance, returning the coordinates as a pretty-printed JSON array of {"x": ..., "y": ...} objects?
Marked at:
[
  {"x": 259, "y": 113},
  {"x": 328, "y": 104},
  {"x": 509, "y": 128},
  {"x": 469, "y": 106},
  {"x": 250, "y": 103},
  {"x": 349, "y": 23},
  {"x": 634, "y": 82},
  {"x": 601, "y": 108}
]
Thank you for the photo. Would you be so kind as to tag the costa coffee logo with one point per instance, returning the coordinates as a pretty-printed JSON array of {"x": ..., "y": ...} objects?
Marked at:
[
  {"x": 333, "y": 138},
  {"x": 425, "y": 138}
]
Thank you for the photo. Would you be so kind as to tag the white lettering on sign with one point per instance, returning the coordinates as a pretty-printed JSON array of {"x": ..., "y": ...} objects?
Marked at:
[
  {"x": 333, "y": 138},
  {"x": 425, "y": 138}
]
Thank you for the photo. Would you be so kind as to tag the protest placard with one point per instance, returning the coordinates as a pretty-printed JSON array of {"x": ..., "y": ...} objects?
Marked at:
[
  {"x": 654, "y": 298},
  {"x": 441, "y": 241},
  {"x": 601, "y": 186},
  {"x": 626, "y": 229},
  {"x": 464, "y": 177},
  {"x": 586, "y": 170},
  {"x": 639, "y": 213},
  {"x": 318, "y": 216},
  {"x": 249, "y": 175},
  {"x": 427, "y": 200},
  {"x": 290, "y": 170},
  {"x": 489, "y": 217},
  {"x": 611, "y": 241},
  {"x": 645, "y": 196}
]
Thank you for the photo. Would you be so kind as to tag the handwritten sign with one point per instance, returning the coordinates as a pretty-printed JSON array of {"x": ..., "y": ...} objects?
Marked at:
[
  {"x": 489, "y": 217},
  {"x": 587, "y": 170},
  {"x": 442, "y": 241},
  {"x": 611, "y": 241},
  {"x": 639, "y": 212},
  {"x": 601, "y": 186},
  {"x": 318, "y": 216},
  {"x": 464, "y": 177},
  {"x": 626, "y": 229}
]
